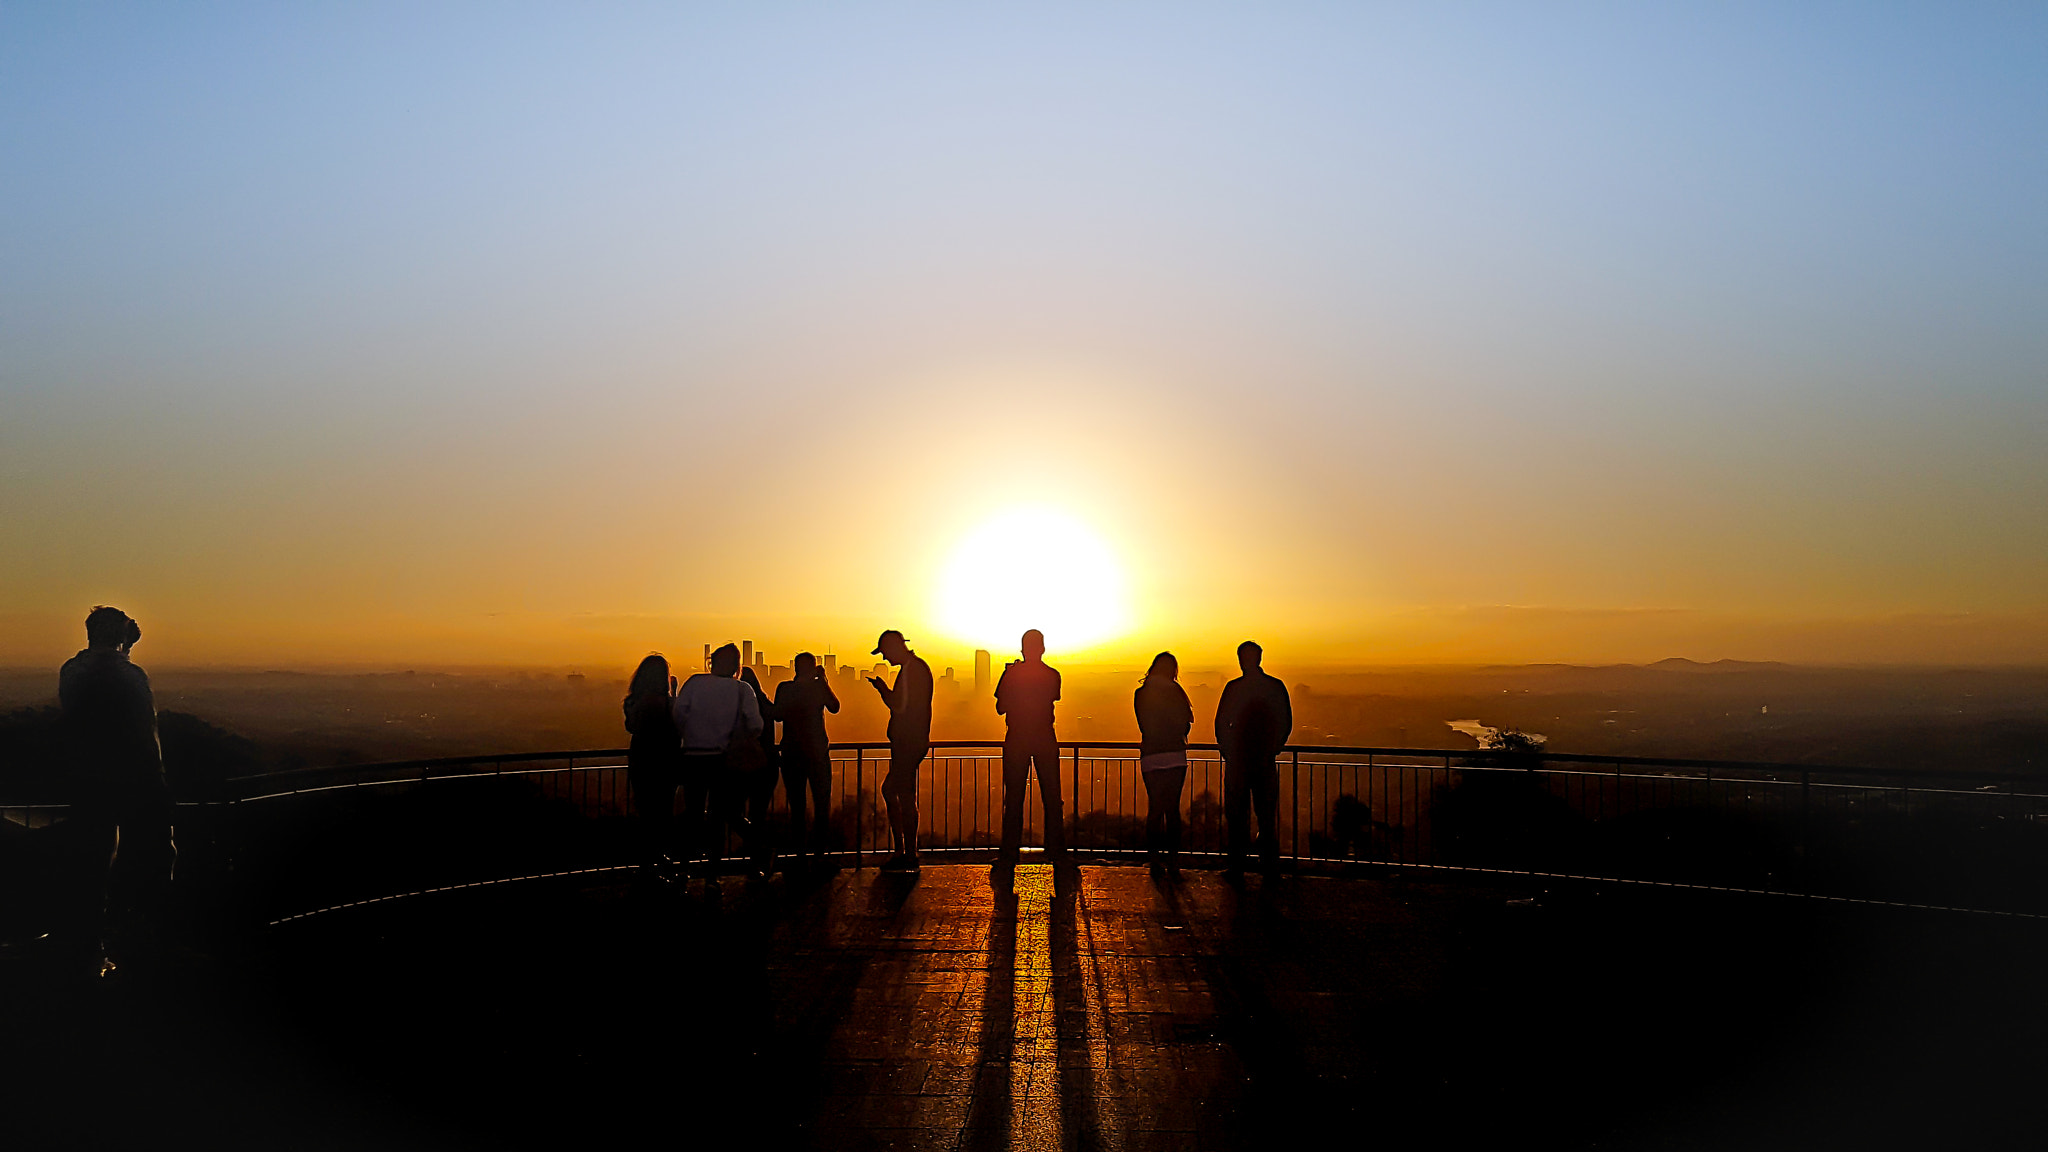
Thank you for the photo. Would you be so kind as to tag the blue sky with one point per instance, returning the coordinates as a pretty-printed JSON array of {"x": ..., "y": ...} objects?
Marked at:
[{"x": 1731, "y": 309}]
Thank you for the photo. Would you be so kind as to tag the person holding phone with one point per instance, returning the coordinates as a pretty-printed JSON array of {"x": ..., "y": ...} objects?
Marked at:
[
  {"x": 801, "y": 704},
  {"x": 910, "y": 738}
]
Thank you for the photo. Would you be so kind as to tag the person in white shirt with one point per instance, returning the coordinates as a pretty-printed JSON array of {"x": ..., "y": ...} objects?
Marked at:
[{"x": 719, "y": 719}]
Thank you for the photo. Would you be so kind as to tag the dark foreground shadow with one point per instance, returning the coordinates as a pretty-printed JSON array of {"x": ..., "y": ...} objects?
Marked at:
[{"x": 1339, "y": 1012}]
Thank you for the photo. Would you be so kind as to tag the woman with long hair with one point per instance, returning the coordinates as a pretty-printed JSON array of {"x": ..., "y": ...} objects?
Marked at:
[
  {"x": 1164, "y": 718},
  {"x": 654, "y": 760}
]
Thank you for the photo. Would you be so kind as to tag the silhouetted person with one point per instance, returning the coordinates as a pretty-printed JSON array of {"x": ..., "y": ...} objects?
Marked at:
[
  {"x": 120, "y": 802},
  {"x": 713, "y": 712},
  {"x": 761, "y": 788},
  {"x": 910, "y": 737},
  {"x": 1253, "y": 721},
  {"x": 654, "y": 759},
  {"x": 801, "y": 704},
  {"x": 1024, "y": 698},
  {"x": 1164, "y": 717}
]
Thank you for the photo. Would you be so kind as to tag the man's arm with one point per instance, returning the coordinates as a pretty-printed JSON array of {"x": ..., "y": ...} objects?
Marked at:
[
  {"x": 1227, "y": 716},
  {"x": 831, "y": 697},
  {"x": 1000, "y": 681},
  {"x": 145, "y": 720},
  {"x": 1285, "y": 713}
]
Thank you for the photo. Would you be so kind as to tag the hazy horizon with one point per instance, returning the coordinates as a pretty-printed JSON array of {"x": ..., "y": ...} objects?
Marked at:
[{"x": 962, "y": 664}]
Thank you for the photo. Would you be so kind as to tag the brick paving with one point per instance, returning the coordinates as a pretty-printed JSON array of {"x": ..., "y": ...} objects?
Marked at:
[{"x": 1114, "y": 1015}]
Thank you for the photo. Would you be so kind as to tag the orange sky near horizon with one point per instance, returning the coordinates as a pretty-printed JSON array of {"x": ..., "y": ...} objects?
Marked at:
[{"x": 395, "y": 338}]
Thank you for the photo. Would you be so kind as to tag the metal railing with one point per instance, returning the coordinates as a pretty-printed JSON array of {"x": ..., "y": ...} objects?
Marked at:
[{"x": 1960, "y": 839}]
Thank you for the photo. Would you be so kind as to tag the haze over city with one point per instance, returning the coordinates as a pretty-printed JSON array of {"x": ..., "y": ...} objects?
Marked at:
[{"x": 383, "y": 336}]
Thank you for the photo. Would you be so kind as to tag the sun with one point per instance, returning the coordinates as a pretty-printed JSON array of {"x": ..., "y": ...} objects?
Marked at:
[{"x": 1033, "y": 568}]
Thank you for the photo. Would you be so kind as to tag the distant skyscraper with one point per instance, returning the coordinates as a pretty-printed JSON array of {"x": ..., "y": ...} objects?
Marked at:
[
  {"x": 981, "y": 684},
  {"x": 707, "y": 658},
  {"x": 831, "y": 665},
  {"x": 746, "y": 652}
]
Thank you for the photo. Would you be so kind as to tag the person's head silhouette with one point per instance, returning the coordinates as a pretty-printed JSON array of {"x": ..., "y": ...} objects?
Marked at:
[
  {"x": 1034, "y": 645},
  {"x": 1248, "y": 656},
  {"x": 891, "y": 647},
  {"x": 726, "y": 661},
  {"x": 1164, "y": 667},
  {"x": 803, "y": 666},
  {"x": 650, "y": 677},
  {"x": 111, "y": 628}
]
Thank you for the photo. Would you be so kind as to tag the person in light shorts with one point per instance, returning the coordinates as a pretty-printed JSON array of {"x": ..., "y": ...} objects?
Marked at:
[{"x": 1164, "y": 718}]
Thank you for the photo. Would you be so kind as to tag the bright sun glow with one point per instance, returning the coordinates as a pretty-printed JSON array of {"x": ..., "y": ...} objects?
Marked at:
[{"x": 1033, "y": 568}]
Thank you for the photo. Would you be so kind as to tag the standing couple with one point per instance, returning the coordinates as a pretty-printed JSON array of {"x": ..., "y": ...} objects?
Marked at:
[{"x": 1253, "y": 721}]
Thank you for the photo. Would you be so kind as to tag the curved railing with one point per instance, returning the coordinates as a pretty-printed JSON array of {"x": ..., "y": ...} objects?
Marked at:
[{"x": 1962, "y": 839}]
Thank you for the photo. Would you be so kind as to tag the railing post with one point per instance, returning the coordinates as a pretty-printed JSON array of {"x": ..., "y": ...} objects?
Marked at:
[
  {"x": 860, "y": 811},
  {"x": 1294, "y": 820},
  {"x": 1072, "y": 814},
  {"x": 1805, "y": 830}
]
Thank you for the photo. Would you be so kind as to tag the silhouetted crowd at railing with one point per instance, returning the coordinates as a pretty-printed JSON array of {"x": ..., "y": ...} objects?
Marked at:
[
  {"x": 712, "y": 743},
  {"x": 712, "y": 739},
  {"x": 708, "y": 752}
]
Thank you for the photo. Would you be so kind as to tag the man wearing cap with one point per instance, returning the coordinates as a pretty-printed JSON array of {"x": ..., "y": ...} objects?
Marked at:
[{"x": 910, "y": 737}]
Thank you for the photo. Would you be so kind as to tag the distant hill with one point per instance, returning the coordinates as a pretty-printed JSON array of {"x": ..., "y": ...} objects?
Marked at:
[{"x": 1681, "y": 664}]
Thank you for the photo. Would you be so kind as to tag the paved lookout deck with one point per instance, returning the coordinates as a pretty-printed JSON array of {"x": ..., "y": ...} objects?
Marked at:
[{"x": 870, "y": 1011}]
